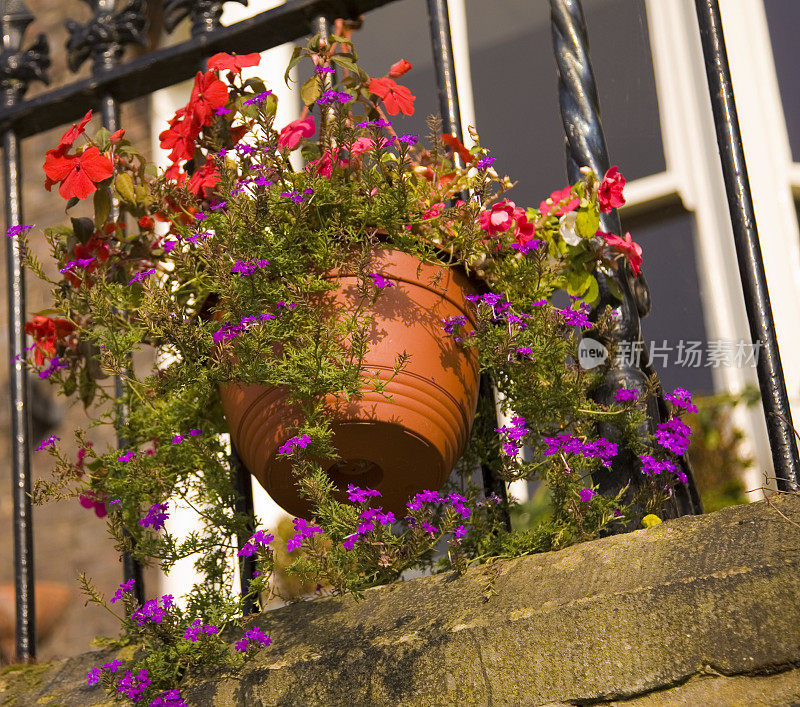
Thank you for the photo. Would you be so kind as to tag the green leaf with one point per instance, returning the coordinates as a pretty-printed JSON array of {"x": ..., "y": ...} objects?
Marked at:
[
  {"x": 345, "y": 63},
  {"x": 256, "y": 84},
  {"x": 613, "y": 288},
  {"x": 340, "y": 40},
  {"x": 296, "y": 56},
  {"x": 151, "y": 171},
  {"x": 310, "y": 91},
  {"x": 103, "y": 139},
  {"x": 579, "y": 282},
  {"x": 123, "y": 183},
  {"x": 102, "y": 206},
  {"x": 593, "y": 292},
  {"x": 587, "y": 223}
]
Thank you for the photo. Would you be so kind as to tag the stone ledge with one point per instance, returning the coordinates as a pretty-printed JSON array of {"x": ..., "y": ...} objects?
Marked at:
[{"x": 701, "y": 610}]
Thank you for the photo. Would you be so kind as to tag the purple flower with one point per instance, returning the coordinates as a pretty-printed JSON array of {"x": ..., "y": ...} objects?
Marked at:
[
  {"x": 196, "y": 628},
  {"x": 651, "y": 465},
  {"x": 122, "y": 589},
  {"x": 514, "y": 434},
  {"x": 625, "y": 395},
  {"x": 49, "y": 442},
  {"x": 194, "y": 432},
  {"x": 577, "y": 317},
  {"x": 484, "y": 163},
  {"x": 93, "y": 676},
  {"x": 524, "y": 350},
  {"x": 674, "y": 435},
  {"x": 200, "y": 216},
  {"x": 450, "y": 323},
  {"x": 113, "y": 666},
  {"x": 528, "y": 246},
  {"x": 245, "y": 268},
  {"x": 177, "y": 439},
  {"x": 600, "y": 449},
  {"x": 156, "y": 516},
  {"x": 359, "y": 495},
  {"x": 53, "y": 366},
  {"x": 423, "y": 497},
  {"x": 324, "y": 69},
  {"x": 115, "y": 502},
  {"x": 259, "y": 538},
  {"x": 256, "y": 635},
  {"x": 81, "y": 263},
  {"x": 288, "y": 446},
  {"x": 125, "y": 458},
  {"x": 16, "y": 230},
  {"x": 222, "y": 110},
  {"x": 380, "y": 123},
  {"x": 151, "y": 612},
  {"x": 587, "y": 494},
  {"x": 295, "y": 196},
  {"x": 409, "y": 139},
  {"x": 428, "y": 528},
  {"x": 258, "y": 98},
  {"x": 334, "y": 96},
  {"x": 169, "y": 245},
  {"x": 682, "y": 398},
  {"x": 459, "y": 531},
  {"x": 350, "y": 541},
  {"x": 262, "y": 181},
  {"x": 170, "y": 698},
  {"x": 139, "y": 276},
  {"x": 133, "y": 686},
  {"x": 380, "y": 282}
]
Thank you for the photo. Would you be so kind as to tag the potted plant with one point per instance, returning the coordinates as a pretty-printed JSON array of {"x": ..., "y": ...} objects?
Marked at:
[{"x": 332, "y": 313}]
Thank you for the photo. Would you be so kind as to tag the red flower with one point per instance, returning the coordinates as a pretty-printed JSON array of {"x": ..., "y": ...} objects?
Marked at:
[
  {"x": 95, "y": 248},
  {"x": 180, "y": 136},
  {"x": 400, "y": 68},
  {"x": 73, "y": 133},
  {"x": 208, "y": 94},
  {"x": 456, "y": 146},
  {"x": 290, "y": 136},
  {"x": 232, "y": 62},
  {"x": 117, "y": 136},
  {"x": 323, "y": 167},
  {"x": 78, "y": 174},
  {"x": 546, "y": 206},
  {"x": 627, "y": 247},
  {"x": 610, "y": 192},
  {"x": 97, "y": 501},
  {"x": 146, "y": 223},
  {"x": 396, "y": 98},
  {"x": 174, "y": 174},
  {"x": 47, "y": 333},
  {"x": 204, "y": 179}
]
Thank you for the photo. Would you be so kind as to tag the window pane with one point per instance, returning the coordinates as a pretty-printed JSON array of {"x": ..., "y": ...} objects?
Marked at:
[
  {"x": 667, "y": 239},
  {"x": 783, "y": 18}
]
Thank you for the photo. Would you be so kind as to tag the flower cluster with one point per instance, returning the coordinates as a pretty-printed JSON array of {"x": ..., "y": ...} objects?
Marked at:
[
  {"x": 259, "y": 539},
  {"x": 507, "y": 216},
  {"x": 300, "y": 441},
  {"x": 133, "y": 686},
  {"x": 152, "y": 612},
  {"x": 231, "y": 331},
  {"x": 302, "y": 531},
  {"x": 674, "y": 436},
  {"x": 245, "y": 268},
  {"x": 566, "y": 443},
  {"x": 156, "y": 516},
  {"x": 513, "y": 435},
  {"x": 682, "y": 399},
  {"x": 123, "y": 588},
  {"x": 252, "y": 636},
  {"x": 196, "y": 628}
]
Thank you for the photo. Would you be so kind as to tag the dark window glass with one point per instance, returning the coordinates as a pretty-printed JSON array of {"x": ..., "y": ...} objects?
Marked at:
[
  {"x": 783, "y": 19},
  {"x": 667, "y": 239}
]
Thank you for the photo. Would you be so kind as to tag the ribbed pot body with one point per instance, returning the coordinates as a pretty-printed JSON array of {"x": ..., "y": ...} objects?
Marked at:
[{"x": 402, "y": 441}]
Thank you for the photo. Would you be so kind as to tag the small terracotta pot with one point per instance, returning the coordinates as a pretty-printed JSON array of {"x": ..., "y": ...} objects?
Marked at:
[{"x": 401, "y": 445}]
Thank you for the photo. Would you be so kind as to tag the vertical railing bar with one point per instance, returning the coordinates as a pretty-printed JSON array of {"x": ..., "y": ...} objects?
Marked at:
[
  {"x": 106, "y": 58},
  {"x": 450, "y": 113},
  {"x": 777, "y": 412},
  {"x": 20, "y": 420},
  {"x": 244, "y": 506}
]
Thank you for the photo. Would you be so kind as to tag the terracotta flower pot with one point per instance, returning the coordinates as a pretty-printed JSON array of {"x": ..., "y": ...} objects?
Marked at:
[{"x": 401, "y": 445}]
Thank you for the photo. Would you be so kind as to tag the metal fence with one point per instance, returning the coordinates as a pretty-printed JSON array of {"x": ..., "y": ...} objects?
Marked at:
[{"x": 103, "y": 39}]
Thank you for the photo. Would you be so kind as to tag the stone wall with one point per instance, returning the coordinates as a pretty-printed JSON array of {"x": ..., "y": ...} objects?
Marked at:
[{"x": 696, "y": 611}]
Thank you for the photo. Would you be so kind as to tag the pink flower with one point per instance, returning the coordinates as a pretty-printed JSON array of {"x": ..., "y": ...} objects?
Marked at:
[
  {"x": 361, "y": 145},
  {"x": 290, "y": 136},
  {"x": 627, "y": 247},
  {"x": 546, "y": 206},
  {"x": 324, "y": 165},
  {"x": 499, "y": 218},
  {"x": 610, "y": 192},
  {"x": 434, "y": 211}
]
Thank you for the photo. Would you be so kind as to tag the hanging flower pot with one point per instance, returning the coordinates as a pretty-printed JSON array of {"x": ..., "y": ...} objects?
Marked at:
[{"x": 399, "y": 441}]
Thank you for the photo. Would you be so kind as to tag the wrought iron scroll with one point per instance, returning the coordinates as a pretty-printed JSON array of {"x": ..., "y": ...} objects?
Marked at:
[
  {"x": 586, "y": 146},
  {"x": 204, "y": 14},
  {"x": 780, "y": 430},
  {"x": 18, "y": 67},
  {"x": 103, "y": 39}
]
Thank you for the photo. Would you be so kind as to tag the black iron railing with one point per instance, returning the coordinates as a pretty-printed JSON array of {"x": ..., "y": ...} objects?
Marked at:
[{"x": 112, "y": 83}]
